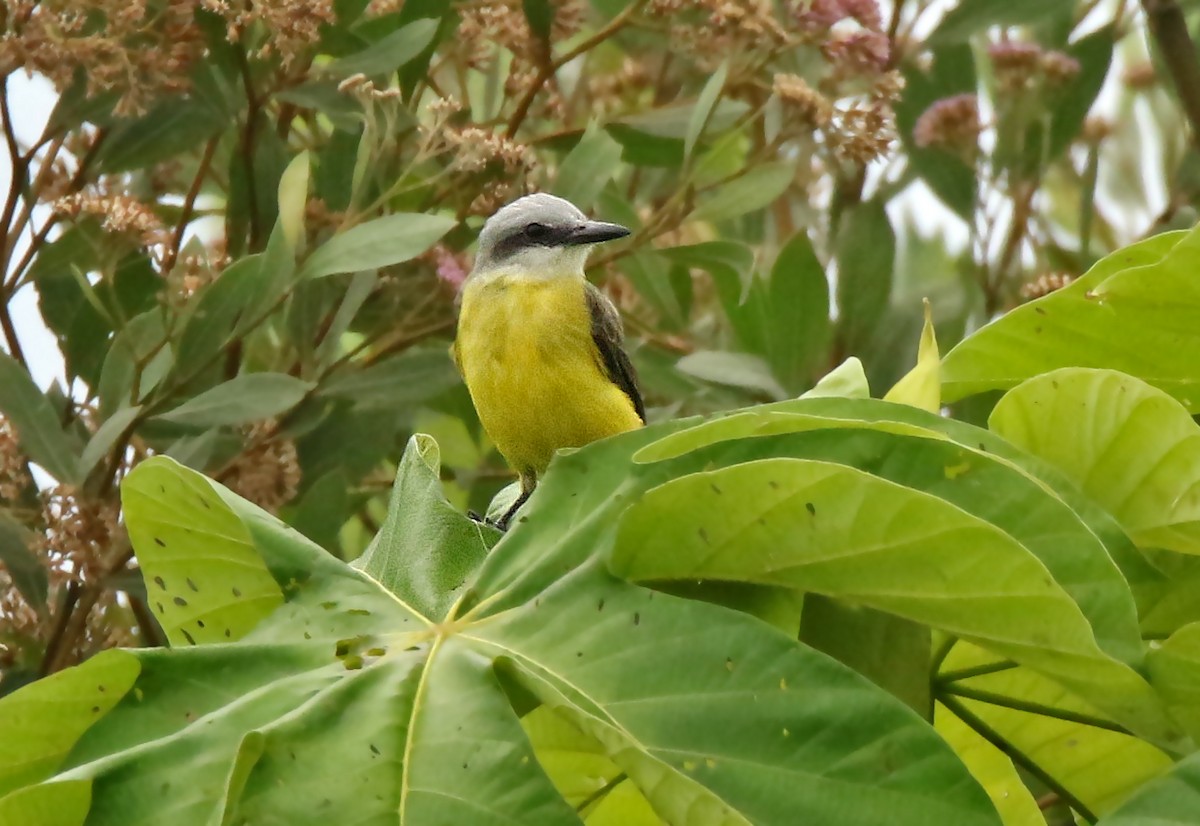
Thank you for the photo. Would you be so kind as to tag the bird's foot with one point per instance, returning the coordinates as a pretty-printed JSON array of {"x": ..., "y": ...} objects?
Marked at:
[{"x": 501, "y": 525}]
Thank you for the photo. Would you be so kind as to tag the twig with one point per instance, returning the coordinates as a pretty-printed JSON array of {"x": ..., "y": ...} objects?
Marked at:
[
  {"x": 189, "y": 202},
  {"x": 548, "y": 69},
  {"x": 1169, "y": 28},
  {"x": 54, "y": 643}
]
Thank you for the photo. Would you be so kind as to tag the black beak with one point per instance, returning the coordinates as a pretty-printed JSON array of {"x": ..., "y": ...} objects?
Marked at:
[{"x": 593, "y": 232}]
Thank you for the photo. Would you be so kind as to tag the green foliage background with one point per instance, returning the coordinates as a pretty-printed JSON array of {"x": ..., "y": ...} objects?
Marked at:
[{"x": 245, "y": 226}]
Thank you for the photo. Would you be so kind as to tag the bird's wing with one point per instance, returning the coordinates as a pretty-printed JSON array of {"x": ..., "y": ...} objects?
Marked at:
[{"x": 608, "y": 336}]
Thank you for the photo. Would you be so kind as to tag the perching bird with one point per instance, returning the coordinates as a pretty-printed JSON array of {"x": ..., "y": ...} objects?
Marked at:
[{"x": 538, "y": 346}]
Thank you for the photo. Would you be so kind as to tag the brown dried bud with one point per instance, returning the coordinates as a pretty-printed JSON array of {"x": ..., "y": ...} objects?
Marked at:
[{"x": 1059, "y": 68}]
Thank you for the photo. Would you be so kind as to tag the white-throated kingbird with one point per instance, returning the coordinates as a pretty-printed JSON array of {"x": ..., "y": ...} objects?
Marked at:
[{"x": 538, "y": 346}]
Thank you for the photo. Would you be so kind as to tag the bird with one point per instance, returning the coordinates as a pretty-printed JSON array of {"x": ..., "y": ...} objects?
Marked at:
[{"x": 539, "y": 347}]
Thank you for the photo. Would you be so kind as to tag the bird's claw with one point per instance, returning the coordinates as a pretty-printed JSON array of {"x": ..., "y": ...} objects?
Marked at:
[{"x": 484, "y": 520}]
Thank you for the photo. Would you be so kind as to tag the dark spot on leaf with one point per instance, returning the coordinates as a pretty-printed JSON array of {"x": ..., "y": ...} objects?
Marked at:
[
  {"x": 353, "y": 662},
  {"x": 159, "y": 606},
  {"x": 199, "y": 623},
  {"x": 774, "y": 485},
  {"x": 811, "y": 508},
  {"x": 703, "y": 535},
  {"x": 162, "y": 489},
  {"x": 359, "y": 612},
  {"x": 715, "y": 489},
  {"x": 159, "y": 542},
  {"x": 192, "y": 585},
  {"x": 100, "y": 688},
  {"x": 376, "y": 652},
  {"x": 180, "y": 601},
  {"x": 160, "y": 582},
  {"x": 578, "y": 653},
  {"x": 191, "y": 640},
  {"x": 523, "y": 519},
  {"x": 237, "y": 592},
  {"x": 1037, "y": 329},
  {"x": 637, "y": 618},
  {"x": 95, "y": 709},
  {"x": 729, "y": 663},
  {"x": 228, "y": 633},
  {"x": 307, "y": 635},
  {"x": 464, "y": 765},
  {"x": 1039, "y": 311},
  {"x": 165, "y": 786},
  {"x": 207, "y": 506},
  {"x": 291, "y": 754},
  {"x": 342, "y": 648},
  {"x": 374, "y": 748},
  {"x": 600, "y": 604}
]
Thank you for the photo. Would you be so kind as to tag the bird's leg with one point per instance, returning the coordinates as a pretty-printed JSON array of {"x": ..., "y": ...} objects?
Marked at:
[{"x": 528, "y": 483}]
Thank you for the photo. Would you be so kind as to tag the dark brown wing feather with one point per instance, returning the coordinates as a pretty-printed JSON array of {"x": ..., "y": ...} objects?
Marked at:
[{"x": 608, "y": 335}]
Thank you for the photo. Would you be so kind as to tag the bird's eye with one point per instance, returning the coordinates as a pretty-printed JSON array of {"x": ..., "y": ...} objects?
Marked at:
[{"x": 536, "y": 232}]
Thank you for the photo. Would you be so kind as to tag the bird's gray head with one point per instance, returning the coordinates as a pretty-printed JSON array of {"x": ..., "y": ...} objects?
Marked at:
[{"x": 541, "y": 236}]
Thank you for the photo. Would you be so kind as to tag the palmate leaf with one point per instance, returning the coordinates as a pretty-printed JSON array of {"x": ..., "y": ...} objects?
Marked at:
[
  {"x": 1128, "y": 445},
  {"x": 1134, "y": 311},
  {"x": 1061, "y": 734},
  {"x": 360, "y": 700},
  {"x": 959, "y": 472}
]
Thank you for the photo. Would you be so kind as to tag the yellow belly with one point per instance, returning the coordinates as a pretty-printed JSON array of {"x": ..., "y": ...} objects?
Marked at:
[{"x": 526, "y": 352}]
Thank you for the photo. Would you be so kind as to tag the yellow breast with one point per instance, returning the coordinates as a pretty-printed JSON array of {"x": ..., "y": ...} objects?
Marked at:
[{"x": 526, "y": 352}]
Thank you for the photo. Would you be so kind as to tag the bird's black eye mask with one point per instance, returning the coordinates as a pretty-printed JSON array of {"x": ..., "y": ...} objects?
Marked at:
[{"x": 532, "y": 235}]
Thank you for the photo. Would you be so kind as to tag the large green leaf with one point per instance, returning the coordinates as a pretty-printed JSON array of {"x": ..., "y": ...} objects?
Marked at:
[
  {"x": 1129, "y": 446},
  {"x": 712, "y": 715},
  {"x": 204, "y": 580},
  {"x": 1174, "y": 670},
  {"x": 392, "y": 239},
  {"x": 43, "y": 721},
  {"x": 1171, "y": 800},
  {"x": 41, "y": 437},
  {"x": 246, "y": 398},
  {"x": 1133, "y": 312}
]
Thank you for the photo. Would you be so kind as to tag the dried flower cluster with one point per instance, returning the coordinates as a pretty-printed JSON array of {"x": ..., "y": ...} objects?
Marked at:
[
  {"x": 120, "y": 214},
  {"x": 491, "y": 163},
  {"x": 79, "y": 533},
  {"x": 709, "y": 31},
  {"x": 1045, "y": 284},
  {"x": 1020, "y": 66},
  {"x": 952, "y": 124},
  {"x": 267, "y": 472},
  {"x": 802, "y": 103},
  {"x": 292, "y": 27},
  {"x": 136, "y": 49},
  {"x": 821, "y": 15},
  {"x": 14, "y": 475}
]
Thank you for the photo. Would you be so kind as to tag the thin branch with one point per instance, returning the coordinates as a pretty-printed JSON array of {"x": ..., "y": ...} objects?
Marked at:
[
  {"x": 974, "y": 671},
  {"x": 189, "y": 203},
  {"x": 1018, "y": 757},
  {"x": 548, "y": 69},
  {"x": 1170, "y": 31}
]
